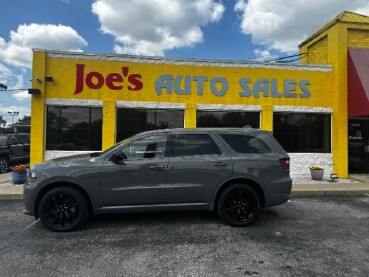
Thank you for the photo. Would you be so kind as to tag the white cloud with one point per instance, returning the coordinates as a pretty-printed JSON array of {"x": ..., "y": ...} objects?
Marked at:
[
  {"x": 283, "y": 25},
  {"x": 4, "y": 72},
  {"x": 22, "y": 111},
  {"x": 18, "y": 51},
  {"x": 149, "y": 27},
  {"x": 22, "y": 94},
  {"x": 262, "y": 54}
]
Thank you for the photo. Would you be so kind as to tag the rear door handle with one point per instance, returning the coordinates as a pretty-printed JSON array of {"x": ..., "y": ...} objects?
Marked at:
[{"x": 156, "y": 166}]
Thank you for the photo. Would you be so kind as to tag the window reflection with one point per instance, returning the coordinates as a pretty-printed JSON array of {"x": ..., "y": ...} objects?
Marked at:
[
  {"x": 303, "y": 132},
  {"x": 133, "y": 121},
  {"x": 227, "y": 119},
  {"x": 147, "y": 148},
  {"x": 194, "y": 144},
  {"x": 73, "y": 128}
]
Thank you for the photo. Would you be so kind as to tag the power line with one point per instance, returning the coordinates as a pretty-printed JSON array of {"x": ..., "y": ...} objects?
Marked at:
[
  {"x": 16, "y": 89},
  {"x": 282, "y": 59}
]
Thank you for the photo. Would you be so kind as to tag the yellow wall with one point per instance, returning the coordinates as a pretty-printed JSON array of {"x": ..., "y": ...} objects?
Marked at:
[
  {"x": 63, "y": 86},
  {"x": 318, "y": 52},
  {"x": 334, "y": 42},
  {"x": 63, "y": 71},
  {"x": 38, "y": 110}
]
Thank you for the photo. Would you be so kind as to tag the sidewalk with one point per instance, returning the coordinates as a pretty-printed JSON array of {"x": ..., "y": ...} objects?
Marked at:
[{"x": 355, "y": 185}]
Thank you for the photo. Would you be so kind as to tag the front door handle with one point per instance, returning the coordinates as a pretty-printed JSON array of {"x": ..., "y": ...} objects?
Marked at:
[{"x": 156, "y": 166}]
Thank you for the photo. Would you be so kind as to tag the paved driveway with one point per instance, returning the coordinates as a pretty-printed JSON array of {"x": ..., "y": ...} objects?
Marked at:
[{"x": 305, "y": 237}]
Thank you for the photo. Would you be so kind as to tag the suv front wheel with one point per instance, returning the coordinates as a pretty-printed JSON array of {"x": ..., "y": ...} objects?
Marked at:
[
  {"x": 63, "y": 209},
  {"x": 239, "y": 205}
]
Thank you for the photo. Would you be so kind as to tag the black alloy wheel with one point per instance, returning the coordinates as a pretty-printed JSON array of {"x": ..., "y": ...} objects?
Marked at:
[
  {"x": 63, "y": 209},
  {"x": 239, "y": 205},
  {"x": 4, "y": 165}
]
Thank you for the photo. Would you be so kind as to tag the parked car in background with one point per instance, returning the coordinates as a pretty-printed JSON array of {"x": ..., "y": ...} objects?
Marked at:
[
  {"x": 234, "y": 171},
  {"x": 14, "y": 149}
]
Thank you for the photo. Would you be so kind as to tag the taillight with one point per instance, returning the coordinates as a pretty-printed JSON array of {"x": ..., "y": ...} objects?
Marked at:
[{"x": 285, "y": 163}]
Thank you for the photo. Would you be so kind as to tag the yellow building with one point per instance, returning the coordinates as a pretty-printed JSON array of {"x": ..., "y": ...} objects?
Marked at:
[{"x": 88, "y": 102}]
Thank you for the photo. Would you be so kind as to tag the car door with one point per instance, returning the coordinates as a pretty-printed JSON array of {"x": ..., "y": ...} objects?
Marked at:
[
  {"x": 197, "y": 166},
  {"x": 16, "y": 149},
  {"x": 140, "y": 178},
  {"x": 24, "y": 141}
]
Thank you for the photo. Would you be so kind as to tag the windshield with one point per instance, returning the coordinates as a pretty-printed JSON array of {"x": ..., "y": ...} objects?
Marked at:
[{"x": 96, "y": 154}]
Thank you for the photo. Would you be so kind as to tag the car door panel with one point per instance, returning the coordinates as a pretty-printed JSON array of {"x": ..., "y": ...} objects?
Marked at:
[
  {"x": 194, "y": 178},
  {"x": 140, "y": 179}
]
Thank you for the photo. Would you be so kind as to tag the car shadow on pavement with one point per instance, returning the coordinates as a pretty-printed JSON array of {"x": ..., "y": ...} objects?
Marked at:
[
  {"x": 174, "y": 220},
  {"x": 177, "y": 218}
]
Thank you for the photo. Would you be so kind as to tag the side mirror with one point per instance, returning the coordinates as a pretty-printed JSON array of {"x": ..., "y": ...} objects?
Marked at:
[{"x": 118, "y": 156}]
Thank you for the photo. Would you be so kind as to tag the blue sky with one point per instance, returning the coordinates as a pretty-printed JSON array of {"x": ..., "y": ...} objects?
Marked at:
[{"x": 207, "y": 29}]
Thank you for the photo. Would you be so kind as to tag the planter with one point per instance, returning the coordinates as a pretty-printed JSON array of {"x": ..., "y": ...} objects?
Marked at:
[
  {"x": 317, "y": 174},
  {"x": 19, "y": 177}
]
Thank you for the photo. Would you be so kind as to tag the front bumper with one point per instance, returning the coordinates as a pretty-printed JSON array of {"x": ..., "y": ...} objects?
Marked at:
[{"x": 29, "y": 196}]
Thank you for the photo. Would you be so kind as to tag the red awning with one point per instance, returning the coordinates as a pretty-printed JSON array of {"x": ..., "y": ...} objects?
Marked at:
[{"x": 358, "y": 81}]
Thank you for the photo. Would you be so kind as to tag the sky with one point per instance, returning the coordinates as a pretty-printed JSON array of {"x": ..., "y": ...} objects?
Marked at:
[{"x": 253, "y": 30}]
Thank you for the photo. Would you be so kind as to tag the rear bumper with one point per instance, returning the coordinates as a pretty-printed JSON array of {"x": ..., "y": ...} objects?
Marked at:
[
  {"x": 279, "y": 192},
  {"x": 277, "y": 201}
]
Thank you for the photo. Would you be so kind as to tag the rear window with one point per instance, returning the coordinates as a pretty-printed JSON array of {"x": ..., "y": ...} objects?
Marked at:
[
  {"x": 246, "y": 143},
  {"x": 24, "y": 139}
]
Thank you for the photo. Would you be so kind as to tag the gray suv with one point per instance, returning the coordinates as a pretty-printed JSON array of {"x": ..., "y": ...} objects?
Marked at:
[{"x": 234, "y": 171}]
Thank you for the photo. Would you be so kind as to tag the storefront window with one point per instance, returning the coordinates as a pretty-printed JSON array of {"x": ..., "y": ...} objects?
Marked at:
[
  {"x": 303, "y": 132},
  {"x": 73, "y": 128},
  {"x": 227, "y": 119},
  {"x": 133, "y": 121}
]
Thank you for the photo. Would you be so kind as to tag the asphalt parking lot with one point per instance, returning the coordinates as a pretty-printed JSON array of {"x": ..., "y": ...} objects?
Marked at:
[{"x": 305, "y": 237}]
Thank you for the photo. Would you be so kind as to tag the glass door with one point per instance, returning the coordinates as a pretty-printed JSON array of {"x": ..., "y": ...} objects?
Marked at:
[{"x": 358, "y": 141}]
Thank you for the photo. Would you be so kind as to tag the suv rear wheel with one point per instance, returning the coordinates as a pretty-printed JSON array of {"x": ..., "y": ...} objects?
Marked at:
[
  {"x": 63, "y": 209},
  {"x": 239, "y": 205},
  {"x": 4, "y": 165}
]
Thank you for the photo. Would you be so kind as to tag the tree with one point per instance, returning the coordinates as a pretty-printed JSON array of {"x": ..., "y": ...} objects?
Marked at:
[
  {"x": 2, "y": 121},
  {"x": 24, "y": 124}
]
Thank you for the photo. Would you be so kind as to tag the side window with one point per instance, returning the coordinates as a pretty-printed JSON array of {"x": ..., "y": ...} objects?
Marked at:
[
  {"x": 246, "y": 143},
  {"x": 194, "y": 144},
  {"x": 13, "y": 140},
  {"x": 146, "y": 148},
  {"x": 23, "y": 139}
]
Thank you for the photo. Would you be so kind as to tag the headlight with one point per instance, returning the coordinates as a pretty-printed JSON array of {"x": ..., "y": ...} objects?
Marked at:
[{"x": 32, "y": 176}]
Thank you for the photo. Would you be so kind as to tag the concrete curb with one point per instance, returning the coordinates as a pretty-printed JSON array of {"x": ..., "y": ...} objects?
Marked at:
[
  {"x": 327, "y": 193},
  {"x": 11, "y": 197}
]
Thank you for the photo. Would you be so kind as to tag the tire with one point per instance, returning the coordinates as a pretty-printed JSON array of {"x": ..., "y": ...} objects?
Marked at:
[
  {"x": 239, "y": 205},
  {"x": 63, "y": 209},
  {"x": 4, "y": 165}
]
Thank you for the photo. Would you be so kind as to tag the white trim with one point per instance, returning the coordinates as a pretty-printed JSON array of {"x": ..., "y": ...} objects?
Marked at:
[
  {"x": 190, "y": 62},
  {"x": 300, "y": 162},
  {"x": 53, "y": 154},
  {"x": 73, "y": 102},
  {"x": 302, "y": 109},
  {"x": 220, "y": 107},
  {"x": 150, "y": 105}
]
